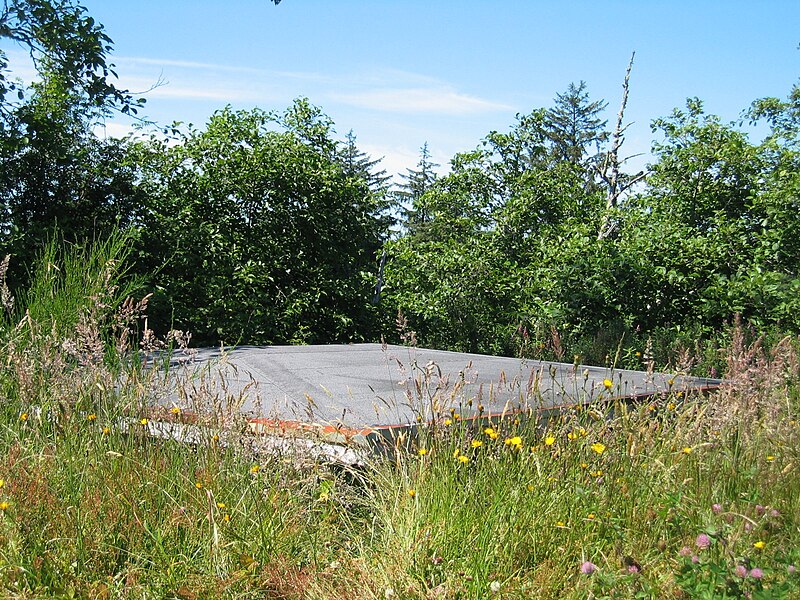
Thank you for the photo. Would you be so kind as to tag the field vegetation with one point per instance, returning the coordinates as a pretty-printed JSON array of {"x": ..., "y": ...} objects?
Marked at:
[{"x": 264, "y": 227}]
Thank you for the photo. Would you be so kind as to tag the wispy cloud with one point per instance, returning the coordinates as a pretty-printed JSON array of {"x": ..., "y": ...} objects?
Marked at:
[{"x": 432, "y": 100}]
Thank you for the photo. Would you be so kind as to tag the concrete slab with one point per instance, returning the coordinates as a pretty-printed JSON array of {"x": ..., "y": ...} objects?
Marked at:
[{"x": 356, "y": 390}]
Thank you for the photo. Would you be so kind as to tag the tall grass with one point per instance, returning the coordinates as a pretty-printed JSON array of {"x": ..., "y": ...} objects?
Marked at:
[{"x": 672, "y": 498}]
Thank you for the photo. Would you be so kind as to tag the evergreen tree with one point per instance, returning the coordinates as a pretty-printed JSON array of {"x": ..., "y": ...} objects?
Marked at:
[
  {"x": 573, "y": 125},
  {"x": 417, "y": 182}
]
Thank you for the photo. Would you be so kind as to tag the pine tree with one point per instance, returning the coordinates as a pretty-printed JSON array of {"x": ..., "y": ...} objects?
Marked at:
[
  {"x": 417, "y": 182},
  {"x": 574, "y": 124}
]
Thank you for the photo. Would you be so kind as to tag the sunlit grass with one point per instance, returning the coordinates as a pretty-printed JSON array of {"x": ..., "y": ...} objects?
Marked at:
[{"x": 674, "y": 497}]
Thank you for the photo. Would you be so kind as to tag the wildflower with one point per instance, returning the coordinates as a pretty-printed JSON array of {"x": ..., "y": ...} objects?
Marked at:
[
  {"x": 740, "y": 571},
  {"x": 198, "y": 485},
  {"x": 255, "y": 469},
  {"x": 687, "y": 450},
  {"x": 494, "y": 587},
  {"x": 23, "y": 417},
  {"x": 638, "y": 354},
  {"x": 695, "y": 559},
  {"x": 106, "y": 430},
  {"x": 220, "y": 505},
  {"x": 560, "y": 524},
  {"x": 4, "y": 506},
  {"x": 791, "y": 569},
  {"x": 671, "y": 406},
  {"x": 588, "y": 568},
  {"x": 412, "y": 493},
  {"x": 494, "y": 435},
  {"x": 422, "y": 451},
  {"x": 488, "y": 431},
  {"x": 515, "y": 442},
  {"x": 685, "y": 551},
  {"x": 144, "y": 421},
  {"x": 477, "y": 443},
  {"x": 756, "y": 573},
  {"x": 597, "y": 473},
  {"x": 456, "y": 453},
  {"x": 716, "y": 508},
  {"x": 2, "y": 482},
  {"x": 703, "y": 541},
  {"x": 584, "y": 465},
  {"x": 774, "y": 513},
  {"x": 463, "y": 459},
  {"x": 759, "y": 545},
  {"x": 770, "y": 458},
  {"x": 448, "y": 422},
  {"x": 760, "y": 510},
  {"x": 590, "y": 516},
  {"x": 91, "y": 417},
  {"x": 175, "y": 410},
  {"x": 670, "y": 382},
  {"x": 572, "y": 435},
  {"x": 633, "y": 569},
  {"x": 388, "y": 593},
  {"x": 456, "y": 416},
  {"x": 549, "y": 440},
  {"x": 608, "y": 384},
  {"x": 598, "y": 447}
]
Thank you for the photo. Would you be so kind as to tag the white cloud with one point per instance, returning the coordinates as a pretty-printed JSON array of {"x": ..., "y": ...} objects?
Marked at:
[{"x": 440, "y": 100}]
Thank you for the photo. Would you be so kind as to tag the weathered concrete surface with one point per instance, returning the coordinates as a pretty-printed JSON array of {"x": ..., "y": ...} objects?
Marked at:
[{"x": 363, "y": 388}]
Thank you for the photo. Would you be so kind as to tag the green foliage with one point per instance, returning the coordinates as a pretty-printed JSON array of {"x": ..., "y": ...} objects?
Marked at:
[{"x": 255, "y": 232}]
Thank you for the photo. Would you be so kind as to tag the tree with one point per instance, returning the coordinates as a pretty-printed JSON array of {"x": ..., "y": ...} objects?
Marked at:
[
  {"x": 54, "y": 173},
  {"x": 417, "y": 182},
  {"x": 285, "y": 241},
  {"x": 573, "y": 125}
]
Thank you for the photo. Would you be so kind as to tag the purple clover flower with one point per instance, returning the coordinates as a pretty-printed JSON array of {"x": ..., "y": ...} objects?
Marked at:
[
  {"x": 703, "y": 542},
  {"x": 588, "y": 568},
  {"x": 741, "y": 571},
  {"x": 756, "y": 573},
  {"x": 716, "y": 508}
]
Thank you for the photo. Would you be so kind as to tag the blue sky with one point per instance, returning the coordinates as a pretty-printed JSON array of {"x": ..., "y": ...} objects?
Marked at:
[{"x": 401, "y": 73}]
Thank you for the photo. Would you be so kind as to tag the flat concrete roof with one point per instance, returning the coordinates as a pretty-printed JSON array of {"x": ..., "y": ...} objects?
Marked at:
[{"x": 368, "y": 387}]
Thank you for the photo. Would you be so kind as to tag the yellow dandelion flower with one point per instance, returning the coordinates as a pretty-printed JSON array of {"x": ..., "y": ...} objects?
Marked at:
[
  {"x": 226, "y": 518},
  {"x": 106, "y": 430},
  {"x": 584, "y": 465},
  {"x": 488, "y": 431},
  {"x": 4, "y": 506},
  {"x": 549, "y": 440},
  {"x": 759, "y": 545},
  {"x": 456, "y": 416},
  {"x": 422, "y": 451},
  {"x": 687, "y": 450},
  {"x": 412, "y": 493},
  {"x": 477, "y": 443},
  {"x": 456, "y": 453},
  {"x": 175, "y": 410},
  {"x": 220, "y": 505},
  {"x": 448, "y": 422},
  {"x": 638, "y": 354},
  {"x": 671, "y": 406},
  {"x": 494, "y": 435},
  {"x": 463, "y": 459},
  {"x": 572, "y": 435},
  {"x": 598, "y": 447},
  {"x": 530, "y": 487},
  {"x": 2, "y": 482},
  {"x": 198, "y": 485},
  {"x": 91, "y": 417},
  {"x": 144, "y": 422},
  {"x": 534, "y": 448},
  {"x": 590, "y": 516},
  {"x": 215, "y": 438},
  {"x": 597, "y": 473},
  {"x": 23, "y": 417},
  {"x": 770, "y": 458},
  {"x": 670, "y": 382},
  {"x": 561, "y": 524},
  {"x": 608, "y": 384},
  {"x": 255, "y": 469}
]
